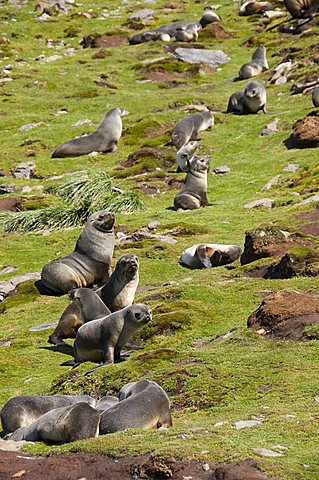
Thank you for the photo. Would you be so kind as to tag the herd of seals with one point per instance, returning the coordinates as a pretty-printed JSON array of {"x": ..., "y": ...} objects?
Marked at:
[{"x": 102, "y": 314}]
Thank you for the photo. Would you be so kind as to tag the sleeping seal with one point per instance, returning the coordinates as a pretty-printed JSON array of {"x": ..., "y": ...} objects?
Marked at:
[
  {"x": 104, "y": 139},
  {"x": 22, "y": 411},
  {"x": 248, "y": 100},
  {"x": 206, "y": 255},
  {"x": 251, "y": 7},
  {"x": 145, "y": 405},
  {"x": 90, "y": 261},
  {"x": 189, "y": 127},
  {"x": 61, "y": 425},
  {"x": 193, "y": 193},
  {"x": 102, "y": 340}
]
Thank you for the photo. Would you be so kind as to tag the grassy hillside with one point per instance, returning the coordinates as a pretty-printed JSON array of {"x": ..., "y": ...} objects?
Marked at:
[{"x": 242, "y": 377}]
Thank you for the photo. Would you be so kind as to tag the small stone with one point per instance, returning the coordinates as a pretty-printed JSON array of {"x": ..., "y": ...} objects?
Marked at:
[
  {"x": 281, "y": 80},
  {"x": 93, "y": 154},
  {"x": 313, "y": 198},
  {"x": 246, "y": 423},
  {"x": 271, "y": 182},
  {"x": 46, "y": 233},
  {"x": 153, "y": 225},
  {"x": 270, "y": 128},
  {"x": 83, "y": 122},
  {"x": 19, "y": 474},
  {"x": 221, "y": 170},
  {"x": 46, "y": 326},
  {"x": 279, "y": 447},
  {"x": 194, "y": 55},
  {"x": 145, "y": 15},
  {"x": 29, "y": 126},
  {"x": 24, "y": 170},
  {"x": 267, "y": 453},
  {"x": 220, "y": 424},
  {"x": 317, "y": 398},
  {"x": 262, "y": 202},
  {"x": 8, "y": 269},
  {"x": 291, "y": 167},
  {"x": 261, "y": 331},
  {"x": 187, "y": 279},
  {"x": 205, "y": 467}
]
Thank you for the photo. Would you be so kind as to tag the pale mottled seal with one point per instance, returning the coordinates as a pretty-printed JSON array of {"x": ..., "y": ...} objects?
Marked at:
[
  {"x": 61, "y": 425},
  {"x": 206, "y": 255},
  {"x": 184, "y": 154},
  {"x": 189, "y": 127},
  {"x": 189, "y": 34},
  {"x": 152, "y": 35},
  {"x": 172, "y": 28},
  {"x": 101, "y": 340},
  {"x": 90, "y": 261},
  {"x": 257, "y": 65},
  {"x": 250, "y": 8},
  {"x": 248, "y": 100},
  {"x": 22, "y": 411},
  {"x": 302, "y": 8},
  {"x": 315, "y": 97},
  {"x": 145, "y": 405},
  {"x": 104, "y": 139},
  {"x": 86, "y": 306},
  {"x": 193, "y": 193}
]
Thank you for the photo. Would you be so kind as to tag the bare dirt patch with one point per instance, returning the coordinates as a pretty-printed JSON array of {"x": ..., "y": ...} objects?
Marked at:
[
  {"x": 96, "y": 40},
  {"x": 305, "y": 132}
]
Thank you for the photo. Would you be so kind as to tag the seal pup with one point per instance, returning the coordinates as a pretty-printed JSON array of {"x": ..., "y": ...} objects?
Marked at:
[
  {"x": 207, "y": 255},
  {"x": 248, "y": 100},
  {"x": 184, "y": 154},
  {"x": 119, "y": 291},
  {"x": 102, "y": 340},
  {"x": 302, "y": 8},
  {"x": 152, "y": 35},
  {"x": 189, "y": 127},
  {"x": 22, "y": 411},
  {"x": 62, "y": 425},
  {"x": 257, "y": 65},
  {"x": 315, "y": 97},
  {"x": 86, "y": 305},
  {"x": 90, "y": 261},
  {"x": 189, "y": 34},
  {"x": 104, "y": 139},
  {"x": 145, "y": 406},
  {"x": 193, "y": 193},
  {"x": 251, "y": 7},
  {"x": 172, "y": 28}
]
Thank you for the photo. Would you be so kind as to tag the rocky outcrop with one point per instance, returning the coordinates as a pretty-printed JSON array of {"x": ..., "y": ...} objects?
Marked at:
[
  {"x": 284, "y": 315},
  {"x": 306, "y": 132},
  {"x": 265, "y": 242}
]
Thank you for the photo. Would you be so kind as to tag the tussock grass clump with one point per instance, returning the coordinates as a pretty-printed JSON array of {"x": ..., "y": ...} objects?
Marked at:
[{"x": 84, "y": 194}]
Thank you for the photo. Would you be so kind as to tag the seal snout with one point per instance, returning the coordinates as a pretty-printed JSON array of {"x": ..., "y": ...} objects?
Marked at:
[{"x": 104, "y": 220}]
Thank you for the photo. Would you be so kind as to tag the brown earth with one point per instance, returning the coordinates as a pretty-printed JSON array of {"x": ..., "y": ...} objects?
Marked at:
[
  {"x": 263, "y": 243},
  {"x": 310, "y": 228},
  {"x": 284, "y": 315},
  {"x": 95, "y": 40},
  {"x": 10, "y": 204},
  {"x": 97, "y": 467},
  {"x": 305, "y": 132}
]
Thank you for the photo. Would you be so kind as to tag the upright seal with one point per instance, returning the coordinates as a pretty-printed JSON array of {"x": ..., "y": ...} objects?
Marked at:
[
  {"x": 89, "y": 263},
  {"x": 189, "y": 127},
  {"x": 193, "y": 193},
  {"x": 248, "y": 100},
  {"x": 104, "y": 139},
  {"x": 257, "y": 65},
  {"x": 145, "y": 405},
  {"x": 206, "y": 255}
]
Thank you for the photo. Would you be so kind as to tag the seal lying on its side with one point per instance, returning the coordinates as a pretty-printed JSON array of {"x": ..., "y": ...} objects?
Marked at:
[
  {"x": 61, "y": 425},
  {"x": 206, "y": 255},
  {"x": 193, "y": 193},
  {"x": 189, "y": 127},
  {"x": 102, "y": 340},
  {"x": 248, "y": 100},
  {"x": 105, "y": 403},
  {"x": 104, "y": 139},
  {"x": 145, "y": 405},
  {"x": 149, "y": 36},
  {"x": 22, "y": 411},
  {"x": 90, "y": 261},
  {"x": 257, "y": 65},
  {"x": 250, "y": 8},
  {"x": 92, "y": 307}
]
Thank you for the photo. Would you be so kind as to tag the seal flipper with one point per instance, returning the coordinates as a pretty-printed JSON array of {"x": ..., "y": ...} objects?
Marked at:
[
  {"x": 220, "y": 258},
  {"x": 70, "y": 363}
]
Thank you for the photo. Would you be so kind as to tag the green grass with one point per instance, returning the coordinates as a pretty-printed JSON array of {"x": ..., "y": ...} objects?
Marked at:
[{"x": 208, "y": 381}]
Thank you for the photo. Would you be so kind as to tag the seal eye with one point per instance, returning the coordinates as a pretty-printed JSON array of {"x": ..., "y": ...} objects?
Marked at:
[{"x": 138, "y": 315}]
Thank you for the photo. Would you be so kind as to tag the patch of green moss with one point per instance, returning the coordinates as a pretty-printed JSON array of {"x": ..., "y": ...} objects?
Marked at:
[
  {"x": 166, "y": 322},
  {"x": 267, "y": 39},
  {"x": 156, "y": 142},
  {"x": 168, "y": 65},
  {"x": 302, "y": 253},
  {"x": 146, "y": 165},
  {"x": 312, "y": 332},
  {"x": 26, "y": 292},
  {"x": 140, "y": 130},
  {"x": 36, "y": 203}
]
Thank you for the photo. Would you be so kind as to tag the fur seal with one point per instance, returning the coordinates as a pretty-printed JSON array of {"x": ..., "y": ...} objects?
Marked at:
[
  {"x": 302, "y": 8},
  {"x": 102, "y": 340},
  {"x": 61, "y": 425},
  {"x": 248, "y": 100},
  {"x": 105, "y": 403},
  {"x": 251, "y": 7},
  {"x": 193, "y": 193},
  {"x": 172, "y": 28},
  {"x": 91, "y": 307},
  {"x": 257, "y": 65},
  {"x": 104, "y": 139},
  {"x": 22, "y": 411},
  {"x": 146, "y": 405},
  {"x": 315, "y": 97},
  {"x": 90, "y": 261},
  {"x": 189, "y": 34},
  {"x": 209, "y": 17},
  {"x": 206, "y": 255},
  {"x": 152, "y": 35},
  {"x": 189, "y": 127},
  {"x": 184, "y": 154}
]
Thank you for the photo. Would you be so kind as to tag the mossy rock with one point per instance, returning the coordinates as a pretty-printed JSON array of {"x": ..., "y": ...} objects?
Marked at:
[
  {"x": 26, "y": 292},
  {"x": 145, "y": 160},
  {"x": 302, "y": 253},
  {"x": 166, "y": 322},
  {"x": 167, "y": 65},
  {"x": 140, "y": 130}
]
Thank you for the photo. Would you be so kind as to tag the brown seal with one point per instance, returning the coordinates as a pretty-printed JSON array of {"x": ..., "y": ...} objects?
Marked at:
[
  {"x": 193, "y": 193},
  {"x": 104, "y": 139},
  {"x": 91, "y": 307},
  {"x": 248, "y": 100},
  {"x": 90, "y": 261},
  {"x": 251, "y": 8},
  {"x": 206, "y": 255},
  {"x": 189, "y": 127},
  {"x": 22, "y": 411},
  {"x": 102, "y": 340},
  {"x": 302, "y": 8},
  {"x": 61, "y": 425},
  {"x": 144, "y": 405}
]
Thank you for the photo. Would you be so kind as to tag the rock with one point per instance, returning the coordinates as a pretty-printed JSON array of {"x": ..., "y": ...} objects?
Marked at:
[
  {"x": 86, "y": 121},
  {"x": 313, "y": 198},
  {"x": 265, "y": 242},
  {"x": 291, "y": 167},
  {"x": 52, "y": 7},
  {"x": 29, "y": 126},
  {"x": 221, "y": 170},
  {"x": 6, "y": 270},
  {"x": 299, "y": 261},
  {"x": 4, "y": 189},
  {"x": 194, "y": 55},
  {"x": 10, "y": 285},
  {"x": 144, "y": 15},
  {"x": 272, "y": 14},
  {"x": 11, "y": 446},
  {"x": 153, "y": 225},
  {"x": 267, "y": 453},
  {"x": 284, "y": 315},
  {"x": 24, "y": 170},
  {"x": 306, "y": 132},
  {"x": 271, "y": 182},
  {"x": 281, "y": 71},
  {"x": 245, "y": 470},
  {"x": 271, "y": 128},
  {"x": 247, "y": 423},
  {"x": 262, "y": 202},
  {"x": 46, "y": 326}
]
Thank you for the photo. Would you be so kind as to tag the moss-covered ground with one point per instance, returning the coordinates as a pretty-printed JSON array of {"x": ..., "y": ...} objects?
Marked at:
[{"x": 210, "y": 379}]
